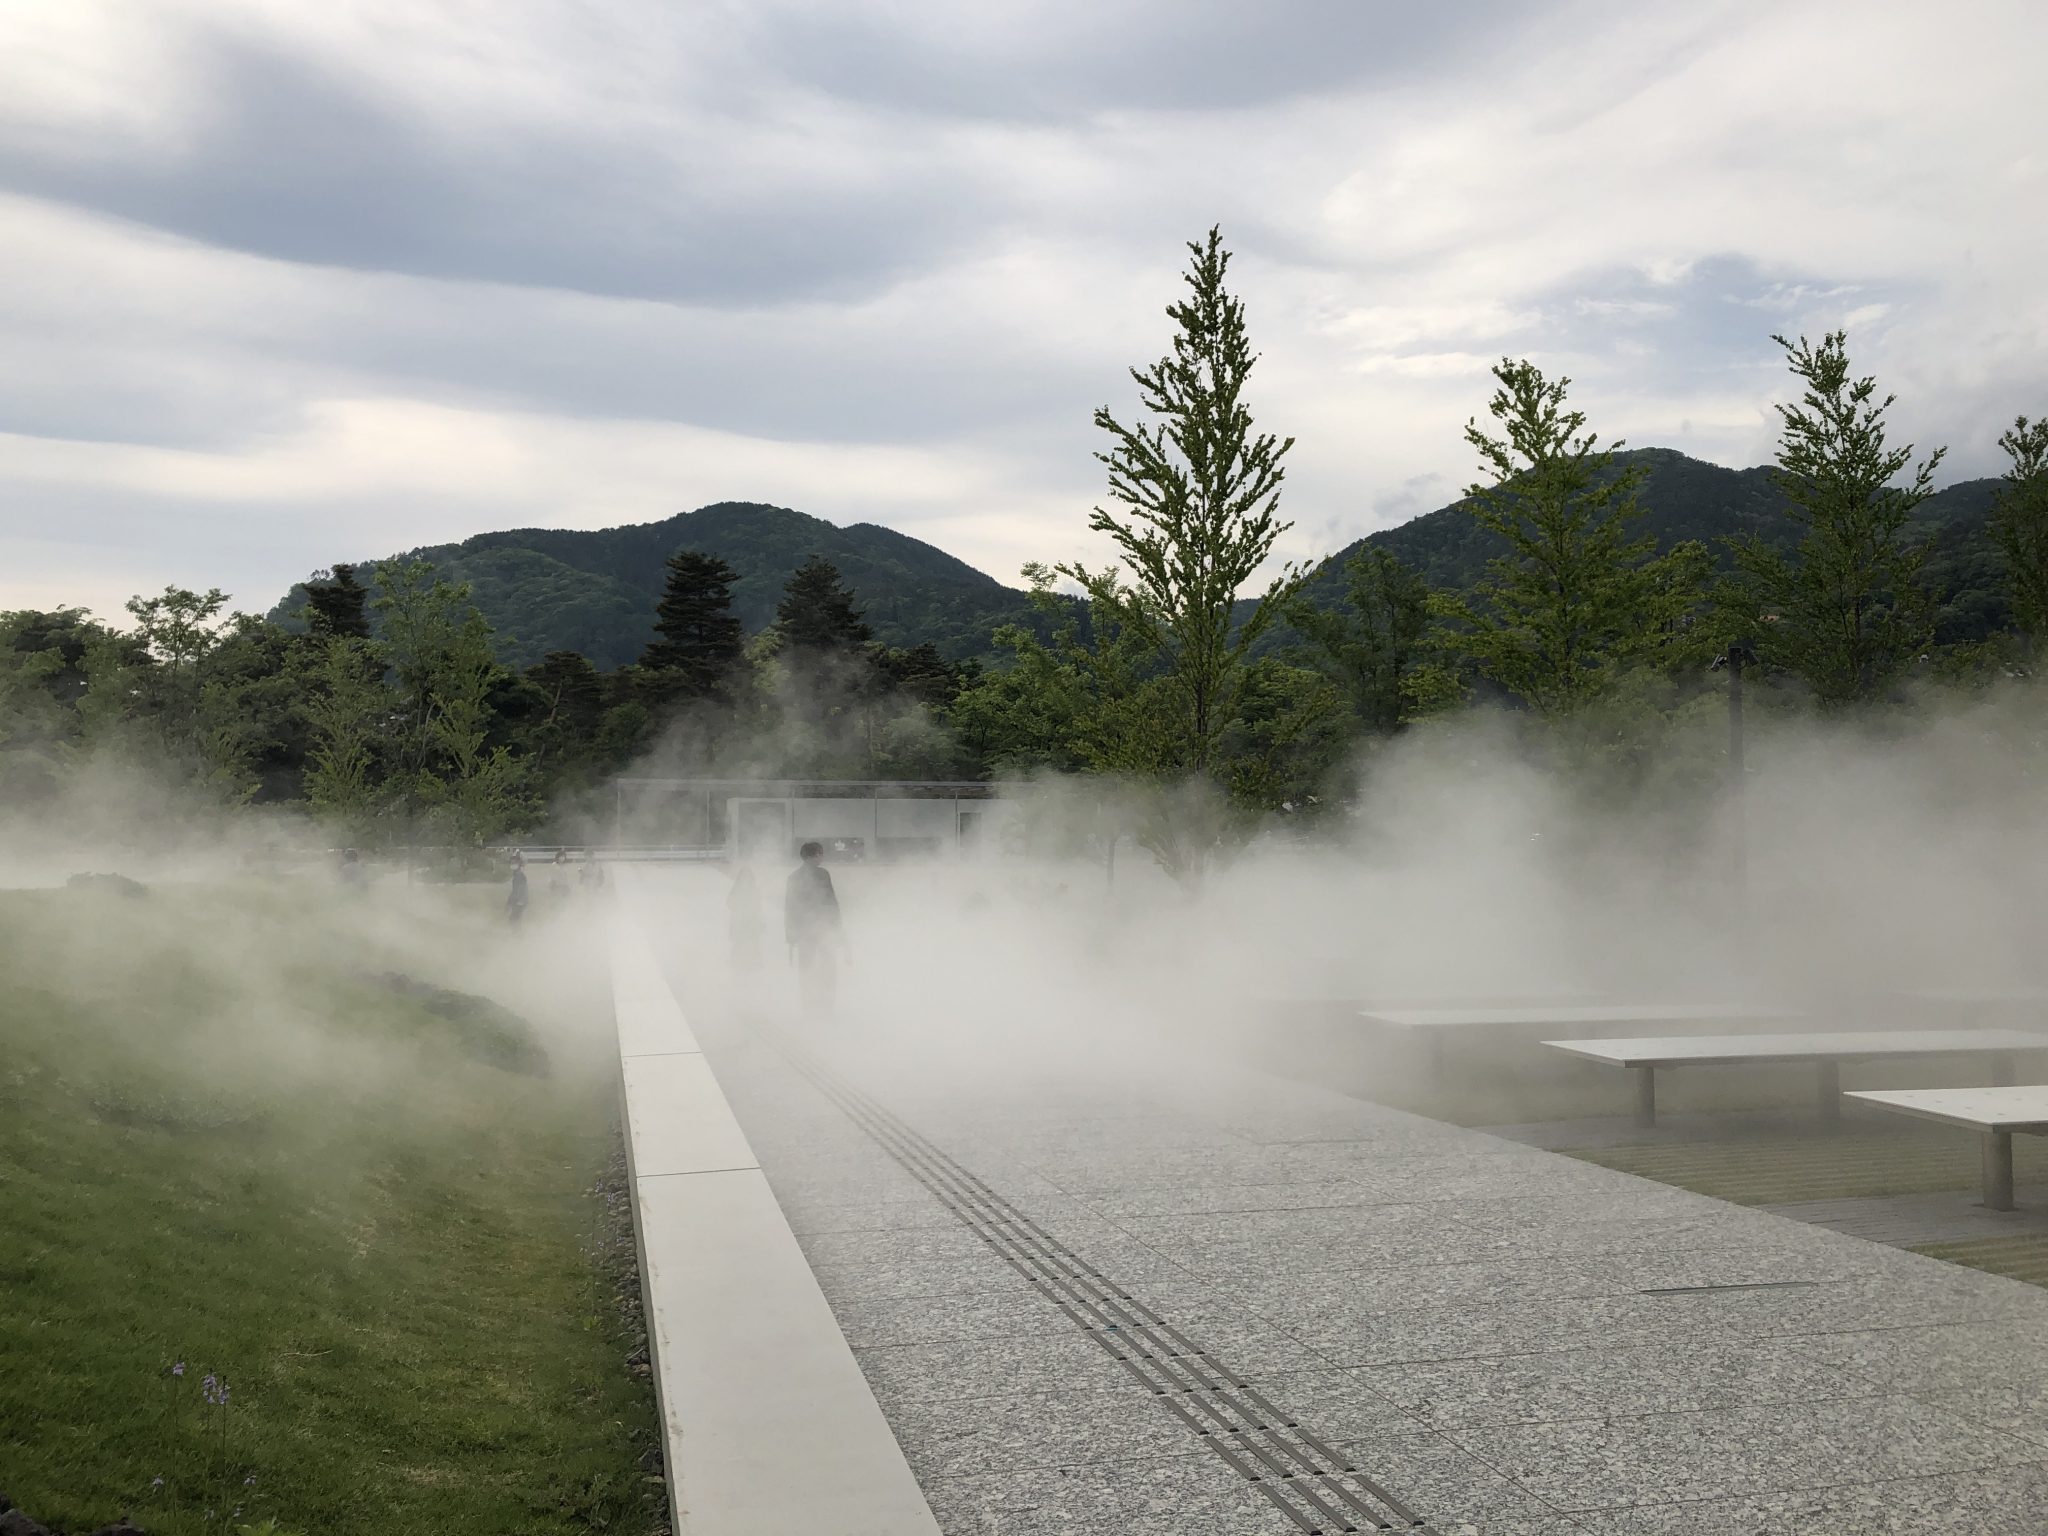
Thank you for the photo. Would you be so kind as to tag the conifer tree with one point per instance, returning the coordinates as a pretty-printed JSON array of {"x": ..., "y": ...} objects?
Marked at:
[
  {"x": 337, "y": 606},
  {"x": 701, "y": 644},
  {"x": 1575, "y": 598},
  {"x": 816, "y": 616},
  {"x": 2019, "y": 524},
  {"x": 1848, "y": 613}
]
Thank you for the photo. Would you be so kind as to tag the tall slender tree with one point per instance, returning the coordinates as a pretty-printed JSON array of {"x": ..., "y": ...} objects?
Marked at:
[
  {"x": 1195, "y": 498},
  {"x": 2019, "y": 525},
  {"x": 1848, "y": 614},
  {"x": 1575, "y": 598},
  {"x": 700, "y": 645}
]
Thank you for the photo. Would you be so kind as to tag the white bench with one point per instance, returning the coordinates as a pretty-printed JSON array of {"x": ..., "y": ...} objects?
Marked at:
[
  {"x": 1997, "y": 1112},
  {"x": 1433, "y": 1022},
  {"x": 1827, "y": 1051}
]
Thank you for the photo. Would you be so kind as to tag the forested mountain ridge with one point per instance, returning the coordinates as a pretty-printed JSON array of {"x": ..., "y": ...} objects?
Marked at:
[
  {"x": 1687, "y": 498},
  {"x": 594, "y": 590}
]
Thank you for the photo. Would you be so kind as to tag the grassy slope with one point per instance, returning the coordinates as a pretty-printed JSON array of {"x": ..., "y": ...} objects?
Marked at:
[{"x": 221, "y": 1144}]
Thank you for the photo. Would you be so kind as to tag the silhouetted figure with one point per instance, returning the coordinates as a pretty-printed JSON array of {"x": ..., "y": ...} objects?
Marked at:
[
  {"x": 353, "y": 875},
  {"x": 592, "y": 874},
  {"x": 810, "y": 922},
  {"x": 558, "y": 876},
  {"x": 743, "y": 918},
  {"x": 515, "y": 899}
]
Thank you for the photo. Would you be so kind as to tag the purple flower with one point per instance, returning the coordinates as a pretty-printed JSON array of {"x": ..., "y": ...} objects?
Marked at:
[
  {"x": 156, "y": 1482},
  {"x": 178, "y": 1369},
  {"x": 249, "y": 1481}
]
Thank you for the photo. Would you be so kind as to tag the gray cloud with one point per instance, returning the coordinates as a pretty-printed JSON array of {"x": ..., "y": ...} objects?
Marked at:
[{"x": 281, "y": 284}]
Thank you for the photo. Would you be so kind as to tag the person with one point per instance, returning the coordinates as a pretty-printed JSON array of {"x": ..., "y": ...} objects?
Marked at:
[
  {"x": 743, "y": 918},
  {"x": 515, "y": 901},
  {"x": 352, "y": 871},
  {"x": 592, "y": 874},
  {"x": 558, "y": 876},
  {"x": 810, "y": 924}
]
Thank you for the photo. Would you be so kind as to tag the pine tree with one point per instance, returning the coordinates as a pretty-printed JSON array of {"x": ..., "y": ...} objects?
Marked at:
[
  {"x": 337, "y": 606},
  {"x": 816, "y": 616},
  {"x": 701, "y": 643},
  {"x": 1848, "y": 615},
  {"x": 1574, "y": 599},
  {"x": 2019, "y": 524}
]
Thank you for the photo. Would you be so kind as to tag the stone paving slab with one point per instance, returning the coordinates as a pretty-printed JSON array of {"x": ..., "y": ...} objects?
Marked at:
[{"x": 1511, "y": 1341}]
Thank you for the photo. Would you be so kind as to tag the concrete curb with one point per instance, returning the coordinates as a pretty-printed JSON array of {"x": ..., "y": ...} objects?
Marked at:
[{"x": 768, "y": 1425}]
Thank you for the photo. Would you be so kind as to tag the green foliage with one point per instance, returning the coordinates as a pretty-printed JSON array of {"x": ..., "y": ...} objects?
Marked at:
[
  {"x": 2019, "y": 524},
  {"x": 595, "y": 591},
  {"x": 337, "y": 605},
  {"x": 1577, "y": 597},
  {"x": 1374, "y": 645},
  {"x": 1848, "y": 614},
  {"x": 817, "y": 616},
  {"x": 1197, "y": 494},
  {"x": 702, "y": 646}
]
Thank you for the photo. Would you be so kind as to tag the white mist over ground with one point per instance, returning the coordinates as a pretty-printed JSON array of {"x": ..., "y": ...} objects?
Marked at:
[{"x": 1877, "y": 862}]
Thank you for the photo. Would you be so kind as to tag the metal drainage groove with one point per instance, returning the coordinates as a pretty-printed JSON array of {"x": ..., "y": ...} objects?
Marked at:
[
  {"x": 1732, "y": 1285},
  {"x": 1311, "y": 1482}
]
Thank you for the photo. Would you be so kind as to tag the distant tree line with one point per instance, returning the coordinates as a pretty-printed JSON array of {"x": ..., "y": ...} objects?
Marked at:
[{"x": 1189, "y": 666}]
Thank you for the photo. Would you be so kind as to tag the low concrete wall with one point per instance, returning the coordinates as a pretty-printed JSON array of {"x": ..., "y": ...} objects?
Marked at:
[{"x": 768, "y": 1424}]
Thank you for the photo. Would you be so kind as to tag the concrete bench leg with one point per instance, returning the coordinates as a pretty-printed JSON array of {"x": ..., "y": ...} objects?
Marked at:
[
  {"x": 1646, "y": 1095},
  {"x": 1998, "y": 1170},
  {"x": 1830, "y": 1090}
]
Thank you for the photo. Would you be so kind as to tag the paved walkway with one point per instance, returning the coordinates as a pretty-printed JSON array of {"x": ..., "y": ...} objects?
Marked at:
[{"x": 1123, "y": 1295}]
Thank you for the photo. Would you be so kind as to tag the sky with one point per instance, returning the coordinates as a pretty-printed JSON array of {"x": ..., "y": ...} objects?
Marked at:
[{"x": 284, "y": 284}]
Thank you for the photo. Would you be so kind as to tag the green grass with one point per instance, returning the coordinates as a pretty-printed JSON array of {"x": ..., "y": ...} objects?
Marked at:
[
  {"x": 222, "y": 1143},
  {"x": 2017, "y": 1258}
]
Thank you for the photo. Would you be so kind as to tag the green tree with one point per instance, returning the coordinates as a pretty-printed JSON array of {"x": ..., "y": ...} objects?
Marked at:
[
  {"x": 700, "y": 652},
  {"x": 337, "y": 605},
  {"x": 346, "y": 706},
  {"x": 1575, "y": 600},
  {"x": 1196, "y": 494},
  {"x": 1848, "y": 614},
  {"x": 817, "y": 616},
  {"x": 1375, "y": 645},
  {"x": 2019, "y": 524},
  {"x": 439, "y": 652},
  {"x": 476, "y": 785}
]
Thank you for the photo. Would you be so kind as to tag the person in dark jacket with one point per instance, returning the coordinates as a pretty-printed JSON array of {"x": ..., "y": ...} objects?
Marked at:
[
  {"x": 810, "y": 923},
  {"x": 515, "y": 899}
]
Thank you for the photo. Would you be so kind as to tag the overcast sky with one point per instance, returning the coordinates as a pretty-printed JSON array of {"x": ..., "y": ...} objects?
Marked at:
[{"x": 283, "y": 283}]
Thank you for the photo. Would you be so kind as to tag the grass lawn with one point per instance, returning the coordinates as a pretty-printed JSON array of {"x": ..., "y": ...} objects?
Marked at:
[{"x": 226, "y": 1142}]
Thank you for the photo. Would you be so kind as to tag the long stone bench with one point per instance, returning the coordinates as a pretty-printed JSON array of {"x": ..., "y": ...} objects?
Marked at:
[
  {"x": 1996, "y": 1112},
  {"x": 768, "y": 1423},
  {"x": 1827, "y": 1051},
  {"x": 1432, "y": 1022}
]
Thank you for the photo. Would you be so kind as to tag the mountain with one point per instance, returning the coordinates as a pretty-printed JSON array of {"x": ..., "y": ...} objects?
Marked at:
[
  {"x": 594, "y": 591},
  {"x": 1686, "y": 498}
]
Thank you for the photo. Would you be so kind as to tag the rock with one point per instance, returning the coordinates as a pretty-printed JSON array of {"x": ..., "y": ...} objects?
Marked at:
[
  {"x": 14, "y": 1523},
  {"x": 121, "y": 1527}
]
